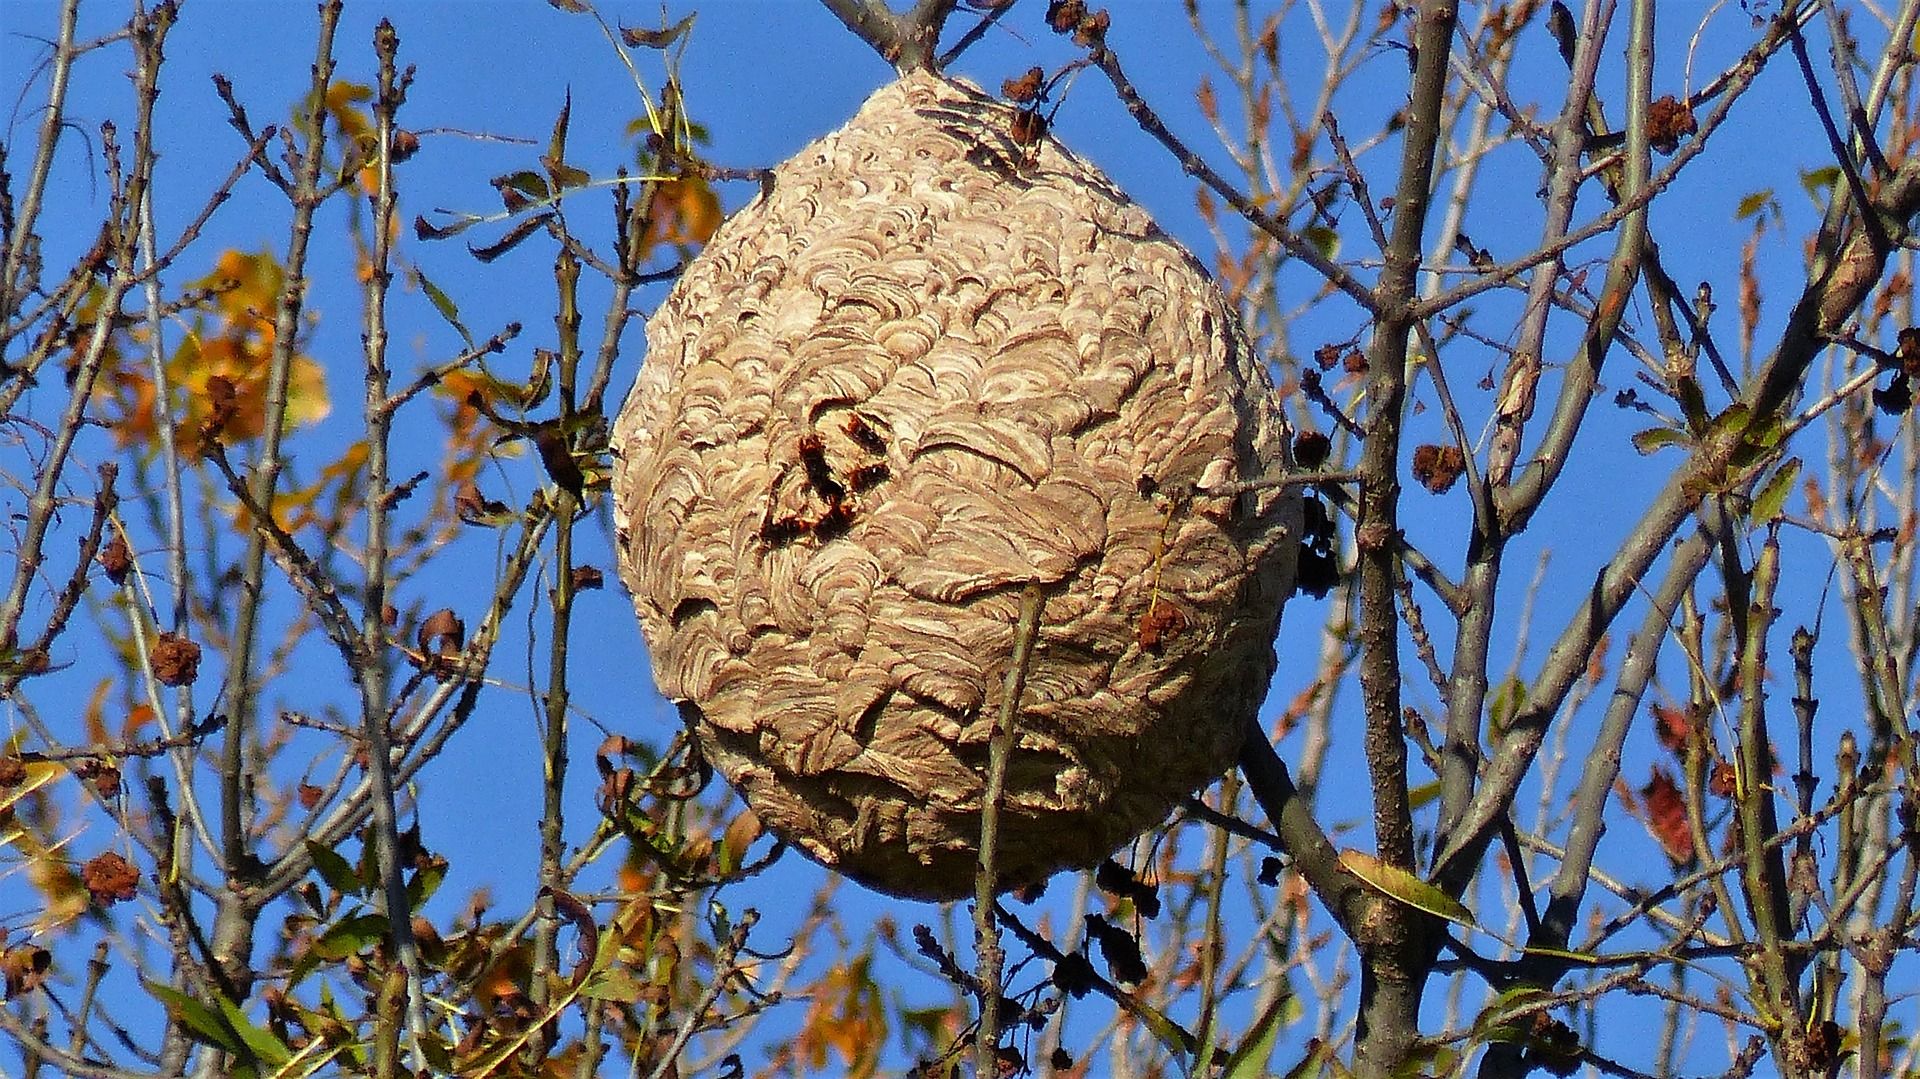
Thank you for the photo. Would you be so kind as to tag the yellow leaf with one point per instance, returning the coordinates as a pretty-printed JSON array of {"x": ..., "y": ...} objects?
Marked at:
[
  {"x": 1398, "y": 884},
  {"x": 238, "y": 345},
  {"x": 26, "y": 832},
  {"x": 39, "y": 774},
  {"x": 343, "y": 99}
]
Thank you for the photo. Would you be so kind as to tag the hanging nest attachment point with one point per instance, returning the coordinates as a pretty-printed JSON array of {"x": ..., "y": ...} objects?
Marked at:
[{"x": 937, "y": 360}]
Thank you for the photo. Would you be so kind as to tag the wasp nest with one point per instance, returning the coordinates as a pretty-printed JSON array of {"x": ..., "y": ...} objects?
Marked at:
[{"x": 931, "y": 364}]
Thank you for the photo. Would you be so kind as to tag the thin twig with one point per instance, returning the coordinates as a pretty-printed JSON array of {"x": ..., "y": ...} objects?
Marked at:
[{"x": 986, "y": 937}]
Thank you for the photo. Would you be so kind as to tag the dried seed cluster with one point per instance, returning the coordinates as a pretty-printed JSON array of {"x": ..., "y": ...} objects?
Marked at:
[{"x": 930, "y": 365}]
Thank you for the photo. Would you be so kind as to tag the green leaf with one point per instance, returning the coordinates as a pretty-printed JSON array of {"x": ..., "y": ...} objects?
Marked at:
[
  {"x": 426, "y": 882},
  {"x": 439, "y": 1055},
  {"x": 443, "y": 304},
  {"x": 1399, "y": 885},
  {"x": 1818, "y": 182},
  {"x": 317, "y": 1054},
  {"x": 1165, "y": 1030},
  {"x": 1765, "y": 432},
  {"x": 202, "y": 1022},
  {"x": 522, "y": 188},
  {"x": 1508, "y": 696},
  {"x": 1735, "y": 417},
  {"x": 1324, "y": 240},
  {"x": 618, "y": 985},
  {"x": 1753, "y": 204},
  {"x": 1693, "y": 404},
  {"x": 1318, "y": 1061},
  {"x": 265, "y": 1048},
  {"x": 350, "y": 936},
  {"x": 566, "y": 176},
  {"x": 1654, "y": 438},
  {"x": 1495, "y": 1019},
  {"x": 334, "y": 869},
  {"x": 1249, "y": 1061},
  {"x": 1423, "y": 794},
  {"x": 1772, "y": 497},
  {"x": 1588, "y": 959}
]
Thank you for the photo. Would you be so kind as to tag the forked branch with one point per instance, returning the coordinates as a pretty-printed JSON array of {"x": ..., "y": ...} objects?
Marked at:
[{"x": 908, "y": 41}]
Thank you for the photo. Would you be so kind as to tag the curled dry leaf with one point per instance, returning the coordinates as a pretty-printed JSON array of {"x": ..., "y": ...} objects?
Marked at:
[
  {"x": 1438, "y": 467},
  {"x": 222, "y": 400},
  {"x": 614, "y": 745},
  {"x": 1666, "y": 810},
  {"x": 1119, "y": 881},
  {"x": 1064, "y": 15},
  {"x": 1668, "y": 121},
  {"x": 557, "y": 455},
  {"x": 1897, "y": 398},
  {"x": 26, "y": 662},
  {"x": 1162, "y": 622},
  {"x": 1119, "y": 948},
  {"x": 1553, "y": 1045},
  {"x": 1028, "y": 126},
  {"x": 116, "y": 558},
  {"x": 99, "y": 773},
  {"x": 1092, "y": 29},
  {"x": 1311, "y": 449},
  {"x": 1025, "y": 88},
  {"x": 568, "y": 907},
  {"x": 24, "y": 967},
  {"x": 1723, "y": 781},
  {"x": 1016, "y": 344},
  {"x": 441, "y": 637},
  {"x": 742, "y": 830},
  {"x": 663, "y": 38},
  {"x": 109, "y": 878},
  {"x": 1074, "y": 975},
  {"x": 475, "y": 508},
  {"x": 176, "y": 660},
  {"x": 1672, "y": 727}
]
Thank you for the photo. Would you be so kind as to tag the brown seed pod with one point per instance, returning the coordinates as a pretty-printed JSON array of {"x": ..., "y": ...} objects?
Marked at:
[{"x": 1016, "y": 344}]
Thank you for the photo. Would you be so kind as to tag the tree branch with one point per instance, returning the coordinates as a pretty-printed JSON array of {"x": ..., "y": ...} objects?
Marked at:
[{"x": 907, "y": 41}]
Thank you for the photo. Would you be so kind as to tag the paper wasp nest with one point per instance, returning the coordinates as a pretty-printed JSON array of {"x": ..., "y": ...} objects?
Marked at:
[{"x": 928, "y": 366}]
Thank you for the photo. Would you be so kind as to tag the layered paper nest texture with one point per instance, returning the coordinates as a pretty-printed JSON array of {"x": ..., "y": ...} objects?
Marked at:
[{"x": 928, "y": 366}]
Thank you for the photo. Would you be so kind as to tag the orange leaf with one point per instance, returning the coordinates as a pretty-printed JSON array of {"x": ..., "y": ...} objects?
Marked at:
[
  {"x": 1671, "y": 727},
  {"x": 1667, "y": 816},
  {"x": 686, "y": 211}
]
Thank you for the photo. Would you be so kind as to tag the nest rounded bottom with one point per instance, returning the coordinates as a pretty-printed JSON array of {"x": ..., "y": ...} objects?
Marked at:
[{"x": 925, "y": 845}]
